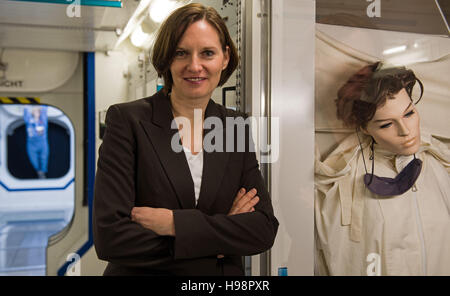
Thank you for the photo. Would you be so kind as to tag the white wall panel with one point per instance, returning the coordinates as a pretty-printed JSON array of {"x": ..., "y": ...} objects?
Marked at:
[{"x": 293, "y": 27}]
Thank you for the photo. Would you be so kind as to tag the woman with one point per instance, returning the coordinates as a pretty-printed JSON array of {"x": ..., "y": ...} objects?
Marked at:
[
  {"x": 383, "y": 196},
  {"x": 36, "y": 122},
  {"x": 161, "y": 210}
]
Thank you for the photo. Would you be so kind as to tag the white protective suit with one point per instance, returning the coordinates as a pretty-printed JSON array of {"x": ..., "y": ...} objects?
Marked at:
[{"x": 360, "y": 233}]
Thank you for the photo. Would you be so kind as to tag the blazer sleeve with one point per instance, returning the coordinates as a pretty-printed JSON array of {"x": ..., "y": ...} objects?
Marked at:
[
  {"x": 117, "y": 239},
  {"x": 241, "y": 234}
]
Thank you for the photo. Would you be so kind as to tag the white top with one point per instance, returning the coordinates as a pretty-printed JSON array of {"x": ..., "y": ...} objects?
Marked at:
[{"x": 195, "y": 163}]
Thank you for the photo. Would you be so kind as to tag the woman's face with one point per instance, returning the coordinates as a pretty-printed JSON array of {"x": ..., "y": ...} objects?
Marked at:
[
  {"x": 198, "y": 62},
  {"x": 36, "y": 111},
  {"x": 396, "y": 125}
]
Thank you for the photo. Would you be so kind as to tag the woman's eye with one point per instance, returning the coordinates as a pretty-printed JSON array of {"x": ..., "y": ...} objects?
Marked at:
[
  {"x": 409, "y": 113},
  {"x": 180, "y": 53},
  {"x": 208, "y": 53},
  {"x": 386, "y": 125}
]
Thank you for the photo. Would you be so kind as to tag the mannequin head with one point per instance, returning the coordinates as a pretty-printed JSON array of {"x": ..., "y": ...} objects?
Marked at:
[
  {"x": 396, "y": 125},
  {"x": 378, "y": 103}
]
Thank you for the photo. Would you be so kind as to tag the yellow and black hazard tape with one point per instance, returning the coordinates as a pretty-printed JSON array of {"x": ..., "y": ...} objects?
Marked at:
[{"x": 19, "y": 100}]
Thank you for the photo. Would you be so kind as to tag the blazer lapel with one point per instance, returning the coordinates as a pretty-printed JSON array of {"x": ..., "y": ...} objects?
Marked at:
[
  {"x": 174, "y": 163},
  {"x": 214, "y": 164}
]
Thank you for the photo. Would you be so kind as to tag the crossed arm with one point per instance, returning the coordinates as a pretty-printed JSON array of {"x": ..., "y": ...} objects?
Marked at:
[{"x": 161, "y": 221}]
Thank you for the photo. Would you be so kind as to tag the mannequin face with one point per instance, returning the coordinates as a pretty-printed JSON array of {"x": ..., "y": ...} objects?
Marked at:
[{"x": 396, "y": 125}]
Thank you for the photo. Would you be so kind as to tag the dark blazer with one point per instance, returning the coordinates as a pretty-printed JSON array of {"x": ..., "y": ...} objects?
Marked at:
[{"x": 137, "y": 167}]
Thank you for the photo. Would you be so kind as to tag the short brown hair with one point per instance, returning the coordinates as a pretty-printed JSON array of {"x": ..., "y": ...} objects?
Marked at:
[
  {"x": 367, "y": 90},
  {"x": 173, "y": 29}
]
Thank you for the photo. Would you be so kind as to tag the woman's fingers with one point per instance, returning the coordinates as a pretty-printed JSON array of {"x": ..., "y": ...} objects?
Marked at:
[
  {"x": 249, "y": 205},
  {"x": 246, "y": 198},
  {"x": 134, "y": 214},
  {"x": 244, "y": 203},
  {"x": 239, "y": 195}
]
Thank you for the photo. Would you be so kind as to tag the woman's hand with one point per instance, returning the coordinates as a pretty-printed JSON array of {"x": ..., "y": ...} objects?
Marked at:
[
  {"x": 244, "y": 202},
  {"x": 158, "y": 220}
]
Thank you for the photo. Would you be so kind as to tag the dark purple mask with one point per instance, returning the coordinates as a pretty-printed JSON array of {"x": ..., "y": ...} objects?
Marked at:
[
  {"x": 394, "y": 186},
  {"x": 384, "y": 186}
]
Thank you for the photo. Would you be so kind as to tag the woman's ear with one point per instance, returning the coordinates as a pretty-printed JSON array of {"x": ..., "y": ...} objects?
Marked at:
[{"x": 226, "y": 57}]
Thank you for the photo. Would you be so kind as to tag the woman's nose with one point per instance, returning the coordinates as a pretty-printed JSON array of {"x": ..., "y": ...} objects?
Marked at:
[
  {"x": 402, "y": 129},
  {"x": 194, "y": 64}
]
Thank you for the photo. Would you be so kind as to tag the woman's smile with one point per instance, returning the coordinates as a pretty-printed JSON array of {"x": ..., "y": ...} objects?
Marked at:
[{"x": 195, "y": 80}]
